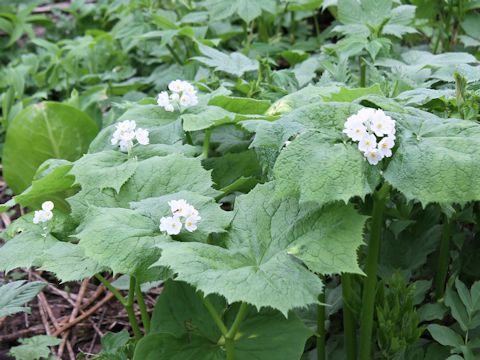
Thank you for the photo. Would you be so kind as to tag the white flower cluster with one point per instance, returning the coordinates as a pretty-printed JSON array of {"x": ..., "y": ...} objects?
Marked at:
[
  {"x": 44, "y": 215},
  {"x": 181, "y": 209},
  {"x": 126, "y": 132},
  {"x": 183, "y": 96},
  {"x": 374, "y": 131}
]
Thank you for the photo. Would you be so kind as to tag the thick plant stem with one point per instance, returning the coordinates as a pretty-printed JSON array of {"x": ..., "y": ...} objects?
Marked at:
[
  {"x": 112, "y": 289},
  {"x": 216, "y": 318},
  {"x": 238, "y": 320},
  {"x": 443, "y": 258},
  {"x": 230, "y": 337},
  {"x": 363, "y": 72},
  {"x": 143, "y": 308},
  {"x": 321, "y": 336},
  {"x": 130, "y": 312},
  {"x": 206, "y": 143},
  {"x": 369, "y": 288},
  {"x": 349, "y": 335},
  {"x": 230, "y": 348}
]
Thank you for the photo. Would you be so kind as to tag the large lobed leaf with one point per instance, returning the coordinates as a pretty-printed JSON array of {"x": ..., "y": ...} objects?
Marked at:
[
  {"x": 435, "y": 159},
  {"x": 235, "y": 63},
  {"x": 41, "y": 132},
  {"x": 266, "y": 245},
  {"x": 153, "y": 177},
  {"x": 182, "y": 329},
  {"x": 120, "y": 239}
]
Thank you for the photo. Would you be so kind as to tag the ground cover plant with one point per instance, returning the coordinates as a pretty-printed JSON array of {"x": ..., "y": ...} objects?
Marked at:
[{"x": 288, "y": 180}]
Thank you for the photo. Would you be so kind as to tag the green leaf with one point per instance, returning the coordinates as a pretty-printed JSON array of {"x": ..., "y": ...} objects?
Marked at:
[
  {"x": 120, "y": 239},
  {"x": 240, "y": 105},
  {"x": 106, "y": 169},
  {"x": 348, "y": 95},
  {"x": 306, "y": 96},
  {"x": 436, "y": 159},
  {"x": 155, "y": 176},
  {"x": 318, "y": 165},
  {"x": 25, "y": 249},
  {"x": 164, "y": 346},
  {"x": 112, "y": 342},
  {"x": 232, "y": 166},
  {"x": 68, "y": 262},
  {"x": 445, "y": 335},
  {"x": 182, "y": 329},
  {"x": 15, "y": 294},
  {"x": 235, "y": 63},
  {"x": 204, "y": 117},
  {"x": 164, "y": 127},
  {"x": 214, "y": 219},
  {"x": 180, "y": 310},
  {"x": 246, "y": 9},
  {"x": 34, "y": 348},
  {"x": 40, "y": 132},
  {"x": 51, "y": 182},
  {"x": 264, "y": 246}
]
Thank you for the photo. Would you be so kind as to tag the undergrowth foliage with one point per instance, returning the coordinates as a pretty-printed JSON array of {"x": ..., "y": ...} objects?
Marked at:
[{"x": 263, "y": 199}]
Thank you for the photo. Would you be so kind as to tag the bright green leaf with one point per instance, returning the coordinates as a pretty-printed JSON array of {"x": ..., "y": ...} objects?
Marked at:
[{"x": 40, "y": 132}]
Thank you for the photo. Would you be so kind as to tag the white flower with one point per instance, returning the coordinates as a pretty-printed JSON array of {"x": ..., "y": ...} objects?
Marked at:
[
  {"x": 179, "y": 207},
  {"x": 355, "y": 129},
  {"x": 48, "y": 206},
  {"x": 367, "y": 143},
  {"x": 171, "y": 225},
  {"x": 385, "y": 146},
  {"x": 374, "y": 156},
  {"x": 174, "y": 97},
  {"x": 163, "y": 99},
  {"x": 190, "y": 211},
  {"x": 126, "y": 126},
  {"x": 44, "y": 215},
  {"x": 365, "y": 114},
  {"x": 142, "y": 136},
  {"x": 126, "y": 132},
  {"x": 188, "y": 99},
  {"x": 191, "y": 223},
  {"x": 125, "y": 145},
  {"x": 177, "y": 86},
  {"x": 382, "y": 124},
  {"x": 183, "y": 95}
]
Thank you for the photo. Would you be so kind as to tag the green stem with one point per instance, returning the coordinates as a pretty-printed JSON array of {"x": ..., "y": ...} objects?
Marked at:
[
  {"x": 174, "y": 55},
  {"x": 206, "y": 143},
  {"x": 363, "y": 72},
  {"x": 350, "y": 337},
  {"x": 317, "y": 27},
  {"x": 130, "y": 312},
  {"x": 443, "y": 259},
  {"x": 213, "y": 313},
  {"x": 230, "y": 336},
  {"x": 321, "y": 337},
  {"x": 112, "y": 289},
  {"x": 238, "y": 320},
  {"x": 230, "y": 348},
  {"x": 143, "y": 308},
  {"x": 188, "y": 138},
  {"x": 369, "y": 288}
]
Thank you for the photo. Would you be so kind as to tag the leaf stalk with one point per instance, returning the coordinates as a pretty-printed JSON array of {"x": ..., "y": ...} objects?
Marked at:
[
  {"x": 350, "y": 336},
  {"x": 369, "y": 288}
]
